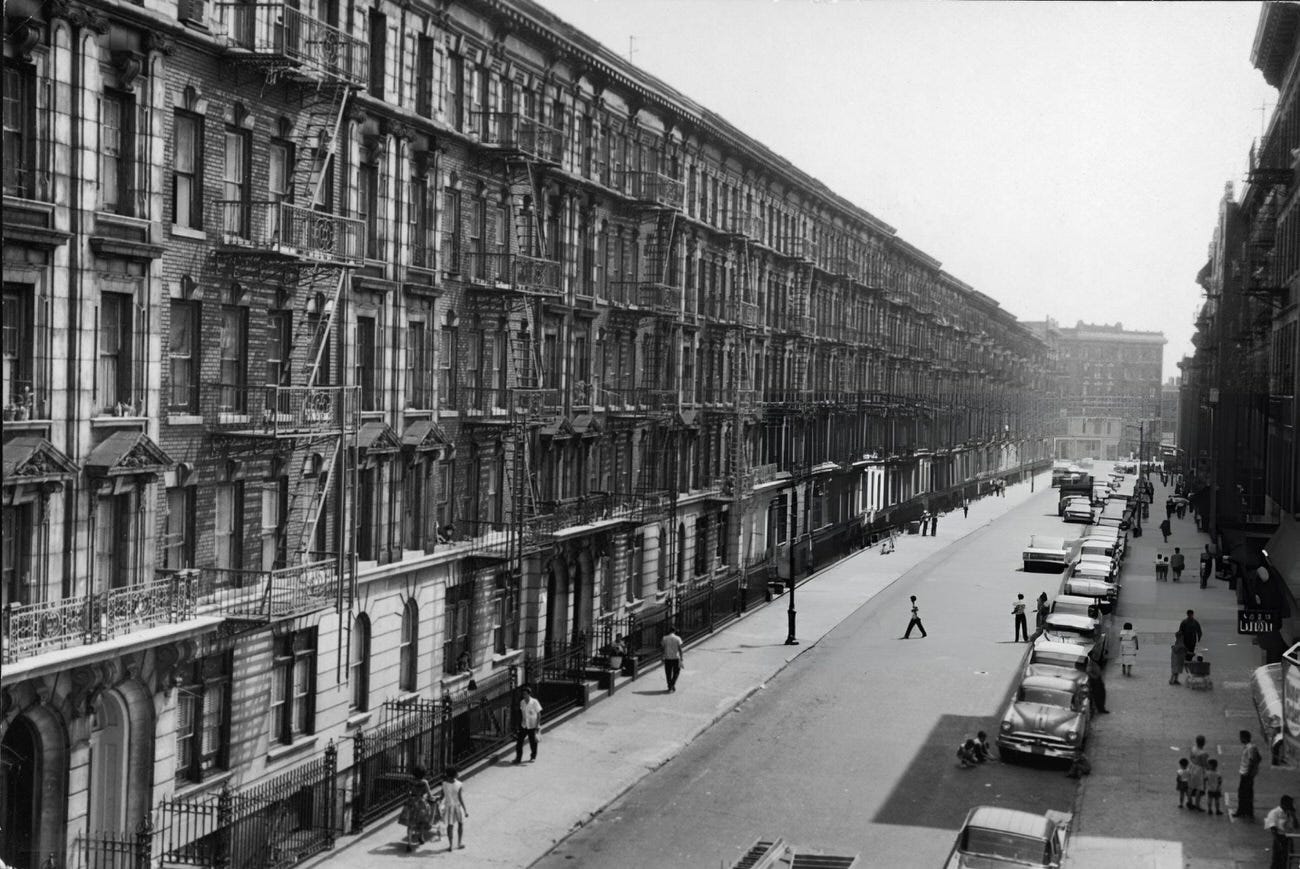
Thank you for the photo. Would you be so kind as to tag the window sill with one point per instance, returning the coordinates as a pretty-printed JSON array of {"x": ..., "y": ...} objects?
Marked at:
[
  {"x": 454, "y": 682},
  {"x": 301, "y": 746},
  {"x": 119, "y": 421},
  {"x": 212, "y": 782},
  {"x": 507, "y": 659},
  {"x": 187, "y": 232},
  {"x": 184, "y": 419},
  {"x": 360, "y": 718},
  {"x": 634, "y": 605}
]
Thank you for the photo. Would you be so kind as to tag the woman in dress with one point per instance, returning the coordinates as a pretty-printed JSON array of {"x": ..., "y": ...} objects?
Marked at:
[
  {"x": 1128, "y": 648},
  {"x": 454, "y": 811},
  {"x": 1200, "y": 760},
  {"x": 1177, "y": 657},
  {"x": 417, "y": 812}
]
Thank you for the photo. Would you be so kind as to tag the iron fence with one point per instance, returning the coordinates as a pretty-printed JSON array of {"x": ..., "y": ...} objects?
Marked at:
[
  {"x": 116, "y": 850},
  {"x": 413, "y": 734},
  {"x": 558, "y": 678}
]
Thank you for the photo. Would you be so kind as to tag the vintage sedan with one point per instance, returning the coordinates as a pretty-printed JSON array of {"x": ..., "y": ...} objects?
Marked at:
[
  {"x": 1084, "y": 632},
  {"x": 996, "y": 838},
  {"x": 1063, "y": 660},
  {"x": 1048, "y": 716},
  {"x": 1078, "y": 510},
  {"x": 1046, "y": 552}
]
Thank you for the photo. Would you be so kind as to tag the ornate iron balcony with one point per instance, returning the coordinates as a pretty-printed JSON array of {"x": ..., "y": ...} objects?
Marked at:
[
  {"x": 522, "y": 135},
  {"x": 512, "y": 273},
  {"x": 268, "y": 595},
  {"x": 284, "y": 229},
  {"x": 280, "y": 411},
  {"x": 655, "y": 188},
  {"x": 280, "y": 32}
]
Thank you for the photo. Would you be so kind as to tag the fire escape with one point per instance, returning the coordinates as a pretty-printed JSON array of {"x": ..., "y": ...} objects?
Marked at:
[
  {"x": 510, "y": 286},
  {"x": 303, "y": 423}
]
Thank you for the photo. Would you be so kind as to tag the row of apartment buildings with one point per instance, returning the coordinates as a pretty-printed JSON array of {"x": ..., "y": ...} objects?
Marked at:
[
  {"x": 356, "y": 355},
  {"x": 1238, "y": 413}
]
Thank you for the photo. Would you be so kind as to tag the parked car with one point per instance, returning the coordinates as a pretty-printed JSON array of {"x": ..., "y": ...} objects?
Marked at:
[
  {"x": 1080, "y": 630},
  {"x": 1098, "y": 562},
  {"x": 1067, "y": 660},
  {"x": 1078, "y": 510},
  {"x": 1116, "y": 540},
  {"x": 1100, "y": 492},
  {"x": 1103, "y": 593},
  {"x": 1045, "y": 552},
  {"x": 1101, "y": 546},
  {"x": 1076, "y": 605},
  {"x": 1048, "y": 716},
  {"x": 994, "y": 837}
]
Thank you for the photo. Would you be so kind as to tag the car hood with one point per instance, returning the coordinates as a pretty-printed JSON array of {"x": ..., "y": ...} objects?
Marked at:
[
  {"x": 1041, "y": 718},
  {"x": 1073, "y": 639},
  {"x": 973, "y": 861}
]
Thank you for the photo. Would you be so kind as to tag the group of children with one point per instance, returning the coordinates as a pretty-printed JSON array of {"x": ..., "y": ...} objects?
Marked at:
[
  {"x": 1199, "y": 777},
  {"x": 425, "y": 810},
  {"x": 974, "y": 751}
]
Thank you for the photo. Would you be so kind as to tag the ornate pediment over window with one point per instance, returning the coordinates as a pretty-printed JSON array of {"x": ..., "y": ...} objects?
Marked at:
[
  {"x": 377, "y": 440},
  {"x": 425, "y": 436},
  {"x": 127, "y": 455},
  {"x": 34, "y": 466}
]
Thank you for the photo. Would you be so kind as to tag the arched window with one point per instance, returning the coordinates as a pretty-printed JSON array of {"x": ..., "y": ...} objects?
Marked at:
[
  {"x": 359, "y": 663},
  {"x": 409, "y": 676}
]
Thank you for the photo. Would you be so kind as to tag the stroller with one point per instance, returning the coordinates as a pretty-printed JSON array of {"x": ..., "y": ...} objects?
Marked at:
[{"x": 1198, "y": 674}]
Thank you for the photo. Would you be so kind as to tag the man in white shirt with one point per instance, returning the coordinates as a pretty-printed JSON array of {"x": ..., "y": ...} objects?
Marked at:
[
  {"x": 673, "y": 657},
  {"x": 530, "y": 718},
  {"x": 1282, "y": 822}
]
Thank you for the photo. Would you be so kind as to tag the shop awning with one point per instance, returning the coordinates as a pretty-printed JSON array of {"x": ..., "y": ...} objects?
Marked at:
[
  {"x": 33, "y": 459},
  {"x": 127, "y": 454}
]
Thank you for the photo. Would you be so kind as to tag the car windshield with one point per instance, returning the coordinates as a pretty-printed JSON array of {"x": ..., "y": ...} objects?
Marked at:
[
  {"x": 1008, "y": 846},
  {"x": 1046, "y": 696}
]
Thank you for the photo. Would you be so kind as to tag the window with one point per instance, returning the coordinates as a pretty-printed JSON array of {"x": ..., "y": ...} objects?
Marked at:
[
  {"x": 446, "y": 371},
  {"x": 16, "y": 556},
  {"x": 19, "y": 128},
  {"x": 359, "y": 663},
  {"x": 424, "y": 59},
  {"x": 492, "y": 489},
  {"x": 275, "y": 516},
  {"x": 420, "y": 220},
  {"x": 365, "y": 366},
  {"x": 279, "y": 178},
  {"x": 701, "y": 545},
  {"x": 116, "y": 312},
  {"x": 409, "y": 648},
  {"x": 203, "y": 717},
  {"x": 187, "y": 171},
  {"x": 419, "y": 379},
  {"x": 469, "y": 363},
  {"x": 378, "y": 53},
  {"x": 182, "y": 356},
  {"x": 233, "y": 370},
  {"x": 293, "y": 686},
  {"x": 505, "y": 615},
  {"x": 117, "y": 156},
  {"x": 721, "y": 534},
  {"x": 368, "y": 201},
  {"x": 445, "y": 510},
  {"x": 457, "y": 656},
  {"x": 115, "y": 541},
  {"x": 279, "y": 347},
  {"x": 415, "y": 493},
  {"x": 451, "y": 239},
  {"x": 235, "y": 188},
  {"x": 180, "y": 530},
  {"x": 456, "y": 91},
  {"x": 632, "y": 569},
  {"x": 228, "y": 526},
  {"x": 16, "y": 351}
]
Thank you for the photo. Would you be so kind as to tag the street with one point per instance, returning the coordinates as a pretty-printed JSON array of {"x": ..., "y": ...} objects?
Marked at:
[{"x": 851, "y": 748}]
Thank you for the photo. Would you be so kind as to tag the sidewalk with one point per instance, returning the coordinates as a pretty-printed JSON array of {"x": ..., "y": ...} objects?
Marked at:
[
  {"x": 584, "y": 762},
  {"x": 1127, "y": 812}
]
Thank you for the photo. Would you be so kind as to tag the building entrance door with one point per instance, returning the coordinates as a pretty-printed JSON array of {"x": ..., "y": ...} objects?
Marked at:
[
  {"x": 19, "y": 774},
  {"x": 108, "y": 771}
]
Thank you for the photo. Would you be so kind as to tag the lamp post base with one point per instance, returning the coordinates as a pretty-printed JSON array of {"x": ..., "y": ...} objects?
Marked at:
[{"x": 790, "y": 639}]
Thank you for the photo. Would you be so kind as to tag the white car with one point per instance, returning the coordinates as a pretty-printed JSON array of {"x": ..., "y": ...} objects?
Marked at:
[
  {"x": 996, "y": 838},
  {"x": 1078, "y": 510},
  {"x": 1047, "y": 552},
  {"x": 1100, "y": 562},
  {"x": 1083, "y": 631}
]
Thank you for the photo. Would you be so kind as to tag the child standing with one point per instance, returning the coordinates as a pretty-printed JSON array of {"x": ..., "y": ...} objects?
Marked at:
[
  {"x": 454, "y": 811},
  {"x": 1162, "y": 568},
  {"x": 1128, "y": 648},
  {"x": 1183, "y": 774},
  {"x": 1213, "y": 789}
]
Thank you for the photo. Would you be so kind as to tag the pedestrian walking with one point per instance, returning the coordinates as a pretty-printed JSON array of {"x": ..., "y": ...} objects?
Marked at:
[
  {"x": 1128, "y": 648},
  {"x": 965, "y": 508},
  {"x": 1177, "y": 562},
  {"x": 1200, "y": 760},
  {"x": 673, "y": 657},
  {"x": 925, "y": 522},
  {"x": 1169, "y": 508},
  {"x": 1041, "y": 610},
  {"x": 530, "y": 719},
  {"x": 1165, "y": 529},
  {"x": 1181, "y": 510},
  {"x": 1190, "y": 629},
  {"x": 453, "y": 807},
  {"x": 1249, "y": 768},
  {"x": 1021, "y": 627},
  {"x": 1281, "y": 822},
  {"x": 417, "y": 814},
  {"x": 1207, "y": 564},
  {"x": 1162, "y": 568},
  {"x": 1180, "y": 781},
  {"x": 1177, "y": 658},
  {"x": 1213, "y": 789},
  {"x": 915, "y": 622},
  {"x": 934, "y": 525}
]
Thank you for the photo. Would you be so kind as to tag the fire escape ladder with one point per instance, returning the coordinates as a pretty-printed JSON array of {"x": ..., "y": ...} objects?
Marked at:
[
  {"x": 530, "y": 228},
  {"x": 316, "y": 506},
  {"x": 327, "y": 308},
  {"x": 319, "y": 137}
]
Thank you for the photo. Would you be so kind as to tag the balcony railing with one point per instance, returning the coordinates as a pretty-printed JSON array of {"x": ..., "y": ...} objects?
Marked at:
[
  {"x": 33, "y": 629},
  {"x": 481, "y": 399},
  {"x": 278, "y": 31},
  {"x": 285, "y": 229},
  {"x": 515, "y": 132},
  {"x": 747, "y": 225},
  {"x": 267, "y": 595},
  {"x": 512, "y": 273},
  {"x": 281, "y": 411},
  {"x": 655, "y": 188},
  {"x": 801, "y": 249}
]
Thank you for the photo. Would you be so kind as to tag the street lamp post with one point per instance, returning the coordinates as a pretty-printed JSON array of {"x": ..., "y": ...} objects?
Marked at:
[{"x": 790, "y": 613}]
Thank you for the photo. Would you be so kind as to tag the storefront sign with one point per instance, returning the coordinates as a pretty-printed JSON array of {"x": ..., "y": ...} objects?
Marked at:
[{"x": 1258, "y": 621}]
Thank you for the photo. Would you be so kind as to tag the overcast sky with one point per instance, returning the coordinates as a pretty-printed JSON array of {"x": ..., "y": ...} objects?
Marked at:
[{"x": 1066, "y": 159}]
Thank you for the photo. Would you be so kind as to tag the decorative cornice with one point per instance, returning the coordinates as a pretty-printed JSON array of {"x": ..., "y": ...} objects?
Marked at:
[{"x": 159, "y": 42}]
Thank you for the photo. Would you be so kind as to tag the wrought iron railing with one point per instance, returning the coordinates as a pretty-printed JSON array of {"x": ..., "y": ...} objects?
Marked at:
[
  {"x": 281, "y": 411},
  {"x": 648, "y": 296},
  {"x": 267, "y": 595},
  {"x": 515, "y": 132},
  {"x": 285, "y": 229},
  {"x": 512, "y": 272},
  {"x": 280, "y": 31},
  {"x": 33, "y": 629},
  {"x": 750, "y": 226},
  {"x": 656, "y": 188}
]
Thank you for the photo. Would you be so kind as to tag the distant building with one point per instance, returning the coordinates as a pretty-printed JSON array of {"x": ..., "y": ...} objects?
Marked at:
[
  {"x": 1169, "y": 411},
  {"x": 1107, "y": 392}
]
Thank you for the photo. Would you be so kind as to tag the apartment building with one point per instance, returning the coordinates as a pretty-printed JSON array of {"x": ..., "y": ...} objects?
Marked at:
[{"x": 363, "y": 362}]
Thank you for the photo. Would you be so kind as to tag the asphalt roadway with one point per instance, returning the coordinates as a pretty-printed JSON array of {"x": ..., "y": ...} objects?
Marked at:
[{"x": 850, "y": 749}]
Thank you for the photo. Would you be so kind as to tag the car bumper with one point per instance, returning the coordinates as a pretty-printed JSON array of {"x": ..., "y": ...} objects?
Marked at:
[{"x": 1030, "y": 745}]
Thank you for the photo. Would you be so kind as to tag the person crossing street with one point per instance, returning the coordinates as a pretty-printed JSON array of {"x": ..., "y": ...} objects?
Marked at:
[{"x": 915, "y": 622}]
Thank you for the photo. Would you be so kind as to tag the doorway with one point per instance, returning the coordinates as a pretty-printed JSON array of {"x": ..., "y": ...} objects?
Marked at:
[
  {"x": 20, "y": 774},
  {"x": 109, "y": 776}
]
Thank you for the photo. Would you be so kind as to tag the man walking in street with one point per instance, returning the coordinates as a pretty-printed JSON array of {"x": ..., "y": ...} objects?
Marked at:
[
  {"x": 1177, "y": 562},
  {"x": 1018, "y": 610},
  {"x": 1207, "y": 565},
  {"x": 925, "y": 522},
  {"x": 915, "y": 622},
  {"x": 965, "y": 509},
  {"x": 530, "y": 719},
  {"x": 1190, "y": 630},
  {"x": 673, "y": 657},
  {"x": 1250, "y": 761},
  {"x": 934, "y": 525},
  {"x": 1165, "y": 529}
]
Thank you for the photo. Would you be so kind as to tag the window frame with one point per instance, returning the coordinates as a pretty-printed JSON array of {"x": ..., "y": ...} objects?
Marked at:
[
  {"x": 293, "y": 713},
  {"x": 19, "y": 543},
  {"x": 17, "y": 347},
  {"x": 210, "y": 676},
  {"x": 122, "y": 307},
  {"x": 190, "y": 216},
  {"x": 359, "y": 664},
  {"x": 408, "y": 649},
  {"x": 234, "y": 395},
  {"x": 20, "y": 162},
  {"x": 183, "y": 367},
  {"x": 180, "y": 528}
]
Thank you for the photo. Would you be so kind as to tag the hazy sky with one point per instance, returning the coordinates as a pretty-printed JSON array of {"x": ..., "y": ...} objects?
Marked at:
[{"x": 1066, "y": 159}]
